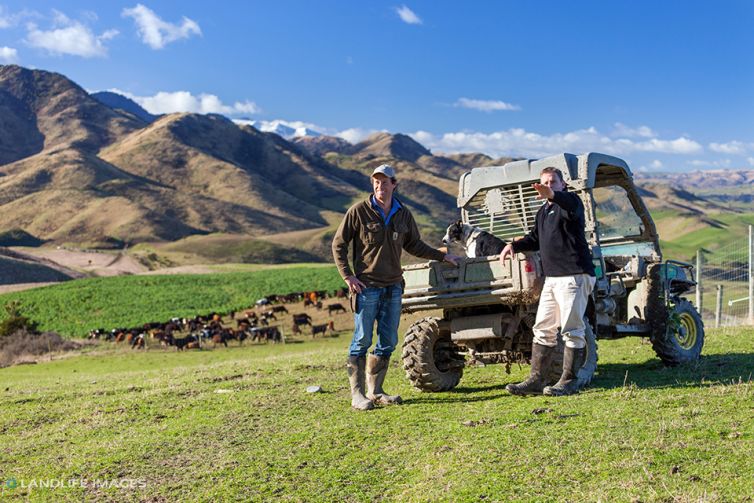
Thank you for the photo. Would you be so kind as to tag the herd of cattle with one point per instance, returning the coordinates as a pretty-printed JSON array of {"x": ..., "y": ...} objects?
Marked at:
[{"x": 253, "y": 323}]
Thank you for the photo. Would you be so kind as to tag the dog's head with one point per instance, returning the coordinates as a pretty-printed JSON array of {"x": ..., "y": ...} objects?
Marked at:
[
  {"x": 453, "y": 233},
  {"x": 456, "y": 238}
]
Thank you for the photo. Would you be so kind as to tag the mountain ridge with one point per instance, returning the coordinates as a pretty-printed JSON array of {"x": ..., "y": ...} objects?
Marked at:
[{"x": 76, "y": 170}]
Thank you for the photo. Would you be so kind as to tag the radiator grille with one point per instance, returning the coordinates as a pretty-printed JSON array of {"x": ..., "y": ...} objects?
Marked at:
[{"x": 506, "y": 212}]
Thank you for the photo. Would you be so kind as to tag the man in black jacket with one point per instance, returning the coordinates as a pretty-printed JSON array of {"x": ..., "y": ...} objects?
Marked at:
[{"x": 558, "y": 234}]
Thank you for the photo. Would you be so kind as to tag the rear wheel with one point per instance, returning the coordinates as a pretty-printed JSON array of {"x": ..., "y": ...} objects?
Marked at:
[
  {"x": 430, "y": 359},
  {"x": 682, "y": 337}
]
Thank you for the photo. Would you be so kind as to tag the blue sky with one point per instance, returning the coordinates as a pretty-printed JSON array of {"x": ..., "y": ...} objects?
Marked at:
[{"x": 668, "y": 85}]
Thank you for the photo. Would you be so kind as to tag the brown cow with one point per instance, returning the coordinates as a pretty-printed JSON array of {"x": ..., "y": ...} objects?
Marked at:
[
  {"x": 138, "y": 342},
  {"x": 323, "y": 329},
  {"x": 335, "y": 308},
  {"x": 189, "y": 342},
  {"x": 302, "y": 319}
]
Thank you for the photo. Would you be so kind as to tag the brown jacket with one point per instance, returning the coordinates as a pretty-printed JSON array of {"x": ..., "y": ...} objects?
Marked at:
[{"x": 377, "y": 250}]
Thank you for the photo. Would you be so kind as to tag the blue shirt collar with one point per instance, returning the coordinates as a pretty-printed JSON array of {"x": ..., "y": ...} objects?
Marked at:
[{"x": 396, "y": 205}]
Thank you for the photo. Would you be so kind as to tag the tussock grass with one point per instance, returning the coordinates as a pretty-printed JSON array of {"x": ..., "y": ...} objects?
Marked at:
[
  {"x": 642, "y": 432},
  {"x": 23, "y": 346}
]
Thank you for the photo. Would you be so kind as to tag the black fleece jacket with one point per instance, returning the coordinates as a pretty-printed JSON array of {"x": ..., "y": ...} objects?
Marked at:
[{"x": 558, "y": 234}]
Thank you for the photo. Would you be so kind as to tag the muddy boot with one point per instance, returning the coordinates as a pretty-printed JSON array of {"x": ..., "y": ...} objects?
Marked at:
[
  {"x": 376, "y": 372},
  {"x": 541, "y": 358},
  {"x": 355, "y": 366},
  {"x": 568, "y": 384}
]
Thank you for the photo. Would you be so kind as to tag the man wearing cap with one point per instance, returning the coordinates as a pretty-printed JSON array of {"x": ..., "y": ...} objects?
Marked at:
[
  {"x": 558, "y": 235},
  {"x": 378, "y": 229}
]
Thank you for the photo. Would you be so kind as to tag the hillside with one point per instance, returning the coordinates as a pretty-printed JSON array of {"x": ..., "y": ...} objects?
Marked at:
[
  {"x": 91, "y": 173},
  {"x": 119, "y": 102},
  {"x": 731, "y": 189},
  {"x": 99, "y": 173},
  {"x": 17, "y": 267},
  {"x": 44, "y": 111}
]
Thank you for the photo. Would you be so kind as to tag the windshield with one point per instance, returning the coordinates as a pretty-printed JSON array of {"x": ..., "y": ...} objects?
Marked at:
[{"x": 616, "y": 216}]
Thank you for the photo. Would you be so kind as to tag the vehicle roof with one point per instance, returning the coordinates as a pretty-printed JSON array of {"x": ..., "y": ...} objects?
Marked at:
[{"x": 579, "y": 172}]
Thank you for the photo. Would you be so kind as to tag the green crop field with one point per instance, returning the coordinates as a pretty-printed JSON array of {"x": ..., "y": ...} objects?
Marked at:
[
  {"x": 237, "y": 424},
  {"x": 733, "y": 230},
  {"x": 75, "y": 307}
]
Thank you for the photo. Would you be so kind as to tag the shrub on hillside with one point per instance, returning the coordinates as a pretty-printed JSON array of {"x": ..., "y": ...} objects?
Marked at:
[
  {"x": 24, "y": 346},
  {"x": 15, "y": 321}
]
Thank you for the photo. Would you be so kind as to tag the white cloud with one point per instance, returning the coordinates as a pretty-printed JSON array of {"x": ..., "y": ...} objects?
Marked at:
[
  {"x": 656, "y": 164},
  {"x": 407, "y": 15},
  {"x": 750, "y": 160},
  {"x": 183, "y": 101},
  {"x": 719, "y": 163},
  {"x": 8, "y": 55},
  {"x": 519, "y": 142},
  {"x": 680, "y": 145},
  {"x": 69, "y": 37},
  {"x": 355, "y": 135},
  {"x": 629, "y": 132},
  {"x": 730, "y": 148},
  {"x": 8, "y": 20},
  {"x": 485, "y": 105},
  {"x": 157, "y": 33}
]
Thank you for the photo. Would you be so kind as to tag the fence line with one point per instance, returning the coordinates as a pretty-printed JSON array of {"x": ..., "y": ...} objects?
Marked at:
[{"x": 728, "y": 269}]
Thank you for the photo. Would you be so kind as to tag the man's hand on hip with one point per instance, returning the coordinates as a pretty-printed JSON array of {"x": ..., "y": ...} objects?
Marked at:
[{"x": 354, "y": 284}]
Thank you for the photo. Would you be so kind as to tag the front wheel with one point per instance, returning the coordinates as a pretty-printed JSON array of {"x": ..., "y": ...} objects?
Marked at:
[
  {"x": 430, "y": 359},
  {"x": 682, "y": 339}
]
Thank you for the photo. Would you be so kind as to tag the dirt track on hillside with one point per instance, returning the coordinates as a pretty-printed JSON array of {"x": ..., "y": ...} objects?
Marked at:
[
  {"x": 89, "y": 262},
  {"x": 25, "y": 268}
]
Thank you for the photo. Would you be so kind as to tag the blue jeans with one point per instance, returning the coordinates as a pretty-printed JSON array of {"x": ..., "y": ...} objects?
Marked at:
[{"x": 384, "y": 306}]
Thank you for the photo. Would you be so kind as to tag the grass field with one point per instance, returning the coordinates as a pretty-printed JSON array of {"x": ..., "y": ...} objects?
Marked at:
[
  {"x": 237, "y": 425},
  {"x": 733, "y": 230},
  {"x": 76, "y": 307}
]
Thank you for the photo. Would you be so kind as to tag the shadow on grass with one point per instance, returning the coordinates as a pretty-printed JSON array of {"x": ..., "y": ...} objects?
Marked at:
[
  {"x": 708, "y": 371},
  {"x": 651, "y": 374},
  {"x": 462, "y": 394},
  {"x": 454, "y": 397}
]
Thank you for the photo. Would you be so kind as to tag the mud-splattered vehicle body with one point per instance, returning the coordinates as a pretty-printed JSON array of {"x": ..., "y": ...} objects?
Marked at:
[{"x": 488, "y": 308}]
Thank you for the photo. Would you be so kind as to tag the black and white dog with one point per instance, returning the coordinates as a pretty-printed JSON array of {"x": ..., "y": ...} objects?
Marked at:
[{"x": 465, "y": 240}]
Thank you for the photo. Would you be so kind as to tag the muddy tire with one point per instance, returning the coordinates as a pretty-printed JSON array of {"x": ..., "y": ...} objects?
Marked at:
[
  {"x": 430, "y": 359},
  {"x": 682, "y": 339}
]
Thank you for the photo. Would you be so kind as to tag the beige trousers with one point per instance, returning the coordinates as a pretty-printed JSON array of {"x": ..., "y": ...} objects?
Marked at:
[{"x": 562, "y": 306}]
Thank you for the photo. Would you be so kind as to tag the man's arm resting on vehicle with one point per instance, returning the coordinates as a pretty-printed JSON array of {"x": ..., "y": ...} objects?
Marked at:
[{"x": 418, "y": 248}]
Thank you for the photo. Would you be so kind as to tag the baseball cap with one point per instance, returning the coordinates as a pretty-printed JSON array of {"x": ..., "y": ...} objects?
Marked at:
[{"x": 385, "y": 169}]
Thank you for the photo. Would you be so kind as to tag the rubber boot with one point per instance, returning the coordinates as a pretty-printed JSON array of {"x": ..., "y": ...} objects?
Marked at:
[
  {"x": 376, "y": 372},
  {"x": 541, "y": 359},
  {"x": 355, "y": 366},
  {"x": 568, "y": 384}
]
